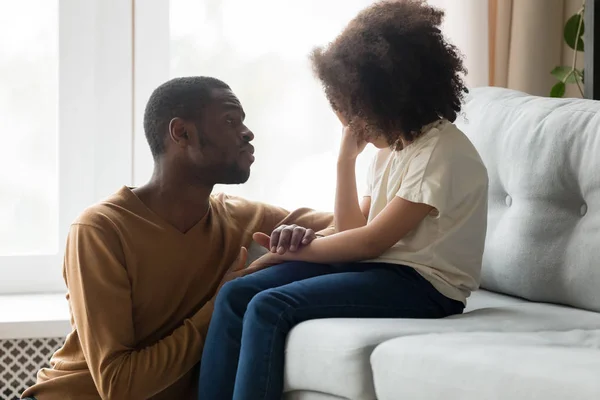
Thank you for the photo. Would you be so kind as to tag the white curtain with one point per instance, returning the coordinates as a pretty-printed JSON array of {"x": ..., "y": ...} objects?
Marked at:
[
  {"x": 511, "y": 43},
  {"x": 466, "y": 26}
]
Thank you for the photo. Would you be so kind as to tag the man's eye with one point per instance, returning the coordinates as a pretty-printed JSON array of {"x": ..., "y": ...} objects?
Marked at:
[{"x": 233, "y": 121}]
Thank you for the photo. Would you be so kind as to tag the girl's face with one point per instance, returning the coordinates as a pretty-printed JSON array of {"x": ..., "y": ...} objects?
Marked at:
[
  {"x": 378, "y": 141},
  {"x": 369, "y": 135}
]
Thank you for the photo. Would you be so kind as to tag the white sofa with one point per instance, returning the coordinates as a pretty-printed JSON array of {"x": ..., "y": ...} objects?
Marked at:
[{"x": 533, "y": 331}]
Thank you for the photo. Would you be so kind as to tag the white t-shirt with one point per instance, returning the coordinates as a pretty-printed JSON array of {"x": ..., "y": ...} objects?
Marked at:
[{"x": 442, "y": 169}]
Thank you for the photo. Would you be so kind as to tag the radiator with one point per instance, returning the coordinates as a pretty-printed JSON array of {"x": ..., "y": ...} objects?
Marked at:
[{"x": 20, "y": 360}]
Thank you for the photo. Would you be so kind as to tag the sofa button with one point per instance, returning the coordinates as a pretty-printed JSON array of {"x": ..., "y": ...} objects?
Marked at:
[
  {"x": 583, "y": 210},
  {"x": 508, "y": 201}
]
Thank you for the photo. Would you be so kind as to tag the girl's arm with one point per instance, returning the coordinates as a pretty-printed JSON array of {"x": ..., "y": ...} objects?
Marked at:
[
  {"x": 348, "y": 213},
  {"x": 396, "y": 220}
]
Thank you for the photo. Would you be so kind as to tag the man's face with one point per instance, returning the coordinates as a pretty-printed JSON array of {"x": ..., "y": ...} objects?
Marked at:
[{"x": 220, "y": 149}]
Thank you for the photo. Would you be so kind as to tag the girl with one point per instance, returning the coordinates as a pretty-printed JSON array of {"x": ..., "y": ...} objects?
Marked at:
[{"x": 412, "y": 248}]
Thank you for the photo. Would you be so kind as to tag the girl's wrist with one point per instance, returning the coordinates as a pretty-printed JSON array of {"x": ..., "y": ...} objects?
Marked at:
[{"x": 345, "y": 160}]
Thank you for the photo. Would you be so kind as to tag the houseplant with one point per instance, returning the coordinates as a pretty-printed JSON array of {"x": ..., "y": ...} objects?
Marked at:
[{"x": 573, "y": 35}]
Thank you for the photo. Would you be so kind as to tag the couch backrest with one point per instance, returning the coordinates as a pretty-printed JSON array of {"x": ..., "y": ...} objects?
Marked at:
[{"x": 543, "y": 161}]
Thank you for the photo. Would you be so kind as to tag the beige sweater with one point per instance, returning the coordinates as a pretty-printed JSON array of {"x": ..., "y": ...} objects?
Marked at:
[{"x": 139, "y": 291}]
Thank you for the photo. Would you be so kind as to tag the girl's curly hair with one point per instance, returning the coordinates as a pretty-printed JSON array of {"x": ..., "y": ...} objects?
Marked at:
[{"x": 392, "y": 68}]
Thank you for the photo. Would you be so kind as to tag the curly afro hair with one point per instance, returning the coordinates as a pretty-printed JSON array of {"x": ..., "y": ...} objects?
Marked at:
[{"x": 393, "y": 69}]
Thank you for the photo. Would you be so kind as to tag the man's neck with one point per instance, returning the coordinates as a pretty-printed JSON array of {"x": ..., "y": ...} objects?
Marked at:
[{"x": 180, "y": 203}]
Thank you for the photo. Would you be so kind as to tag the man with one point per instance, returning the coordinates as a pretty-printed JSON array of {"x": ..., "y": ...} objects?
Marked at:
[{"x": 143, "y": 267}]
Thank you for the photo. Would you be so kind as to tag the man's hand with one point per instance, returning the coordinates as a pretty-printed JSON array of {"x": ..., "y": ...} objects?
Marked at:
[
  {"x": 237, "y": 269},
  {"x": 286, "y": 238}
]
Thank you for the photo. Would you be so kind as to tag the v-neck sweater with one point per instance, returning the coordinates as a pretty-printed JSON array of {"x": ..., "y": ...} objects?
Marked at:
[{"x": 140, "y": 295}]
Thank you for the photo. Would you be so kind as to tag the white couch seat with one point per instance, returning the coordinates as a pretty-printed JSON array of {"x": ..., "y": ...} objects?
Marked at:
[
  {"x": 330, "y": 358},
  {"x": 490, "y": 366}
]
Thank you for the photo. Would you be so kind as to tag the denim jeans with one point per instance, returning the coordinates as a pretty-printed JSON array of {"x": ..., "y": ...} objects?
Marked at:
[{"x": 243, "y": 357}]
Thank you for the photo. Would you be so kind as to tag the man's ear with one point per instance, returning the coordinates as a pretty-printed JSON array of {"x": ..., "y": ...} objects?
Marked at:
[{"x": 178, "y": 133}]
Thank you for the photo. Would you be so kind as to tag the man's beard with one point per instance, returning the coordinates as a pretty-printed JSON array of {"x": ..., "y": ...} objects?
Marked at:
[{"x": 234, "y": 175}]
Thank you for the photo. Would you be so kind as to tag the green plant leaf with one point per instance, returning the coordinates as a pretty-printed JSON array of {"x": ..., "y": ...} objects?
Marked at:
[
  {"x": 581, "y": 73},
  {"x": 564, "y": 74},
  {"x": 558, "y": 90},
  {"x": 570, "y": 32}
]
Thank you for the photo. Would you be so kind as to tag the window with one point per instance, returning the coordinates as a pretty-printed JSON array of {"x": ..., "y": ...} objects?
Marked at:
[
  {"x": 29, "y": 126},
  {"x": 260, "y": 48},
  {"x": 66, "y": 119}
]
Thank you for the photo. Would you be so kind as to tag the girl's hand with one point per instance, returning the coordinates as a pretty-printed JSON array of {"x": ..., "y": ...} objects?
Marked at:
[
  {"x": 341, "y": 118},
  {"x": 351, "y": 145},
  {"x": 267, "y": 260}
]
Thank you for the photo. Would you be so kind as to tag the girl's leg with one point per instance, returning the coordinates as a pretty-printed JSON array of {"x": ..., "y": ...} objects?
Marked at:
[
  {"x": 222, "y": 345},
  {"x": 361, "y": 291}
]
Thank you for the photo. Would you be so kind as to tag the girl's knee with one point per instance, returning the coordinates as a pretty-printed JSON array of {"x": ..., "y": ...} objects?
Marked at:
[
  {"x": 236, "y": 291},
  {"x": 269, "y": 305}
]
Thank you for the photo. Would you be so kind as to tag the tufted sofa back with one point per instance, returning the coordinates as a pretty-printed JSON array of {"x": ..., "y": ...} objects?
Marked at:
[{"x": 543, "y": 161}]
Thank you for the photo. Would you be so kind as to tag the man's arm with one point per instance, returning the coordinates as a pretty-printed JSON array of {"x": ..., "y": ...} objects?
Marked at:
[
  {"x": 275, "y": 216},
  {"x": 100, "y": 299}
]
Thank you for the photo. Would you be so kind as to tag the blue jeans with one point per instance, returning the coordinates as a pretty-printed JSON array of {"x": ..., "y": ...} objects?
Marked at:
[{"x": 243, "y": 356}]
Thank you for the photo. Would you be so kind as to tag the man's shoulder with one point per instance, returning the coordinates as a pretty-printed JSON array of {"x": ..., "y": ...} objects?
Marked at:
[
  {"x": 106, "y": 213},
  {"x": 242, "y": 210}
]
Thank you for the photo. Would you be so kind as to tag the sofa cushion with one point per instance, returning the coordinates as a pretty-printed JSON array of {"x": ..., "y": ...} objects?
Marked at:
[
  {"x": 332, "y": 355},
  {"x": 491, "y": 366},
  {"x": 543, "y": 158}
]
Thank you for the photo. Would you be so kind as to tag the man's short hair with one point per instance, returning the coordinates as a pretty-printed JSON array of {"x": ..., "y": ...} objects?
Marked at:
[{"x": 178, "y": 98}]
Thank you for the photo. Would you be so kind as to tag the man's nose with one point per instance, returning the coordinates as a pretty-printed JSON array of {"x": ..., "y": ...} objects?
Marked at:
[{"x": 247, "y": 135}]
